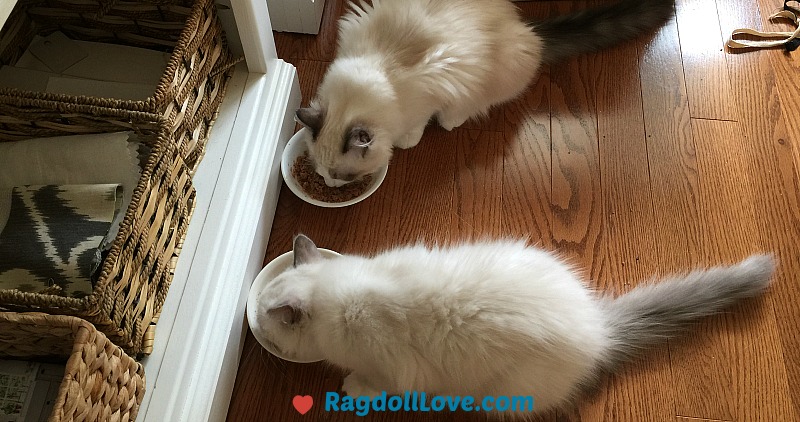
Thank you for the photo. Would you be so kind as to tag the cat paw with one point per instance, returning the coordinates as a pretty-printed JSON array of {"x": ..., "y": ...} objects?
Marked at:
[
  {"x": 411, "y": 139},
  {"x": 446, "y": 125},
  {"x": 449, "y": 123},
  {"x": 355, "y": 388}
]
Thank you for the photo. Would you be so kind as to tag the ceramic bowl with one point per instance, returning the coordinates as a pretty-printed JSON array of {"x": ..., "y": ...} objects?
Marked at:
[{"x": 296, "y": 147}]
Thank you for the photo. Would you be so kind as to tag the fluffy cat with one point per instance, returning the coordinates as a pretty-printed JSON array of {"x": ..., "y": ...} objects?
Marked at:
[
  {"x": 401, "y": 62},
  {"x": 482, "y": 319}
]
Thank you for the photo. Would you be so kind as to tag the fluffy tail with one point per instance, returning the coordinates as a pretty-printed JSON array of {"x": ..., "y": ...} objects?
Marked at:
[
  {"x": 600, "y": 27},
  {"x": 652, "y": 313}
]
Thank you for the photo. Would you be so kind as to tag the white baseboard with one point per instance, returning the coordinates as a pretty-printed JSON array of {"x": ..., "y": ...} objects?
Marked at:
[
  {"x": 200, "y": 334},
  {"x": 303, "y": 16}
]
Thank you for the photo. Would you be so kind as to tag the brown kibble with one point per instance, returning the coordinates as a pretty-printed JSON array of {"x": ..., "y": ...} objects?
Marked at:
[{"x": 314, "y": 185}]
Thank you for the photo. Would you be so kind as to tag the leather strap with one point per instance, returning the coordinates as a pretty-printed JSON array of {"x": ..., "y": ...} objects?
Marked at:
[{"x": 783, "y": 37}]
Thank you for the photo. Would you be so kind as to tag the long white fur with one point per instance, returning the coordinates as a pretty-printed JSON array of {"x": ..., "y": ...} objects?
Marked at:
[
  {"x": 400, "y": 62},
  {"x": 483, "y": 319},
  {"x": 469, "y": 320}
]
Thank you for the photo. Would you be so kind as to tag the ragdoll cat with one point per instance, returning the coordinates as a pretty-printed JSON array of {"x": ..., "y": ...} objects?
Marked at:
[
  {"x": 484, "y": 319},
  {"x": 401, "y": 62}
]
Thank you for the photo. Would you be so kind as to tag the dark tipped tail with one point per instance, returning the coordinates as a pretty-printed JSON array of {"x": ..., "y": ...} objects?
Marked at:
[
  {"x": 652, "y": 313},
  {"x": 600, "y": 27}
]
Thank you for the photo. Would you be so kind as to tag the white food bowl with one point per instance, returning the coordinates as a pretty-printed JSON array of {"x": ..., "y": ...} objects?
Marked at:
[
  {"x": 296, "y": 147},
  {"x": 269, "y": 272}
]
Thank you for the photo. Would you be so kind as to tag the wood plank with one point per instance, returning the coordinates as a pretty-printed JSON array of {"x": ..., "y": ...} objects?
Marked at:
[
  {"x": 670, "y": 151},
  {"x": 478, "y": 185},
  {"x": 577, "y": 217},
  {"x": 573, "y": 165},
  {"x": 766, "y": 86},
  {"x": 701, "y": 359},
  {"x": 641, "y": 390},
  {"x": 747, "y": 353},
  {"x": 576, "y": 195},
  {"x": 707, "y": 81},
  {"x": 526, "y": 207},
  {"x": 552, "y": 179},
  {"x": 698, "y": 387},
  {"x": 786, "y": 65},
  {"x": 576, "y": 177},
  {"x": 428, "y": 197}
]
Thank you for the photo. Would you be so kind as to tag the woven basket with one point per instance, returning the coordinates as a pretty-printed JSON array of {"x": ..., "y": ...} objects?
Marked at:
[
  {"x": 193, "y": 84},
  {"x": 135, "y": 276},
  {"x": 101, "y": 382}
]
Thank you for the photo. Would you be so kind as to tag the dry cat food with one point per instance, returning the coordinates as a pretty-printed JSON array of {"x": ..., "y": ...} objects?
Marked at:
[{"x": 314, "y": 185}]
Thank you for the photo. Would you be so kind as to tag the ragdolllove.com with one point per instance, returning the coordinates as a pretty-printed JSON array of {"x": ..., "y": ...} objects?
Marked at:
[{"x": 412, "y": 401}]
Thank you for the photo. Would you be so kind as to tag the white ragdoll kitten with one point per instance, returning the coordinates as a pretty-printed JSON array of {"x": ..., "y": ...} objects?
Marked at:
[
  {"x": 401, "y": 62},
  {"x": 483, "y": 319}
]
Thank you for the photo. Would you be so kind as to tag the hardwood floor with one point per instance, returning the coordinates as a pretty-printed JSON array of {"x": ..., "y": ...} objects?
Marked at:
[{"x": 654, "y": 157}]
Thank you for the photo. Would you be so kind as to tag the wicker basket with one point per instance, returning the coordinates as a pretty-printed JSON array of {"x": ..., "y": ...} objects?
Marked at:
[
  {"x": 101, "y": 382},
  {"x": 193, "y": 84},
  {"x": 135, "y": 276}
]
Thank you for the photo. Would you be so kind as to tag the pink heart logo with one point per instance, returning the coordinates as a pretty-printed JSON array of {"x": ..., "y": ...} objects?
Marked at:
[{"x": 302, "y": 404}]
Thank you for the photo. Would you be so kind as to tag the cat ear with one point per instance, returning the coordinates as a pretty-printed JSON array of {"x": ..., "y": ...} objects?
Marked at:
[
  {"x": 305, "y": 251},
  {"x": 310, "y": 118},
  {"x": 286, "y": 314},
  {"x": 359, "y": 138}
]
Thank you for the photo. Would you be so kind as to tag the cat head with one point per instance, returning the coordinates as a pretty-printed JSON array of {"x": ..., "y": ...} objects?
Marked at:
[
  {"x": 285, "y": 307},
  {"x": 319, "y": 307},
  {"x": 354, "y": 121}
]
